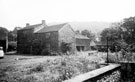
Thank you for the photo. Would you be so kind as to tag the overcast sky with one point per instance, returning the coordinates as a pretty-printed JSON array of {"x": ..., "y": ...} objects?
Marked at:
[{"x": 19, "y": 12}]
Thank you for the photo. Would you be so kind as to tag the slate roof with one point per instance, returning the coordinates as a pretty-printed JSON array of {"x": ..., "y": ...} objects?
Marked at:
[
  {"x": 31, "y": 26},
  {"x": 51, "y": 28},
  {"x": 79, "y": 36}
]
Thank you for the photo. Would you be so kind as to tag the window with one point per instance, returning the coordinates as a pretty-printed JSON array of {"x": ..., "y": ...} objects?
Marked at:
[{"x": 47, "y": 35}]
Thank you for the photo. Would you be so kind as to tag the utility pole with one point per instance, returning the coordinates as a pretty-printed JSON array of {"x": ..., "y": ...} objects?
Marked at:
[
  {"x": 107, "y": 52},
  {"x": 116, "y": 53}
]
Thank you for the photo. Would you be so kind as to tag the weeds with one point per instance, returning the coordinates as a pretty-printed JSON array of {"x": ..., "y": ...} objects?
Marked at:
[
  {"x": 38, "y": 68},
  {"x": 56, "y": 70}
]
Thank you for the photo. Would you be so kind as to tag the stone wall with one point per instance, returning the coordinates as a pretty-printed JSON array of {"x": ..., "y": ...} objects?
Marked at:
[
  {"x": 110, "y": 73},
  {"x": 47, "y": 41},
  {"x": 24, "y": 39},
  {"x": 127, "y": 71},
  {"x": 113, "y": 76},
  {"x": 67, "y": 35}
]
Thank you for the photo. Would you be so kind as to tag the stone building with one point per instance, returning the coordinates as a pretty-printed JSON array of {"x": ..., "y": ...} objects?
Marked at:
[
  {"x": 82, "y": 42},
  {"x": 37, "y": 38}
]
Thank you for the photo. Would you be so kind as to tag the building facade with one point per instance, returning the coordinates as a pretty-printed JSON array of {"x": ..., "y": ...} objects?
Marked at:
[{"x": 36, "y": 39}]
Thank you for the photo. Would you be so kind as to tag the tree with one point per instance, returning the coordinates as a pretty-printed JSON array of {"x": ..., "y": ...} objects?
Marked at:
[
  {"x": 12, "y": 35},
  {"x": 128, "y": 26},
  {"x": 3, "y": 32},
  {"x": 122, "y": 32},
  {"x": 78, "y": 32},
  {"x": 113, "y": 33},
  {"x": 88, "y": 33}
]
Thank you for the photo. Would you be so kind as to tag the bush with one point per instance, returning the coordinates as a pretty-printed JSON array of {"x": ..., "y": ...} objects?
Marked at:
[
  {"x": 38, "y": 68},
  {"x": 69, "y": 67},
  {"x": 12, "y": 46},
  {"x": 112, "y": 58},
  {"x": 45, "y": 52},
  {"x": 29, "y": 79},
  {"x": 66, "y": 47}
]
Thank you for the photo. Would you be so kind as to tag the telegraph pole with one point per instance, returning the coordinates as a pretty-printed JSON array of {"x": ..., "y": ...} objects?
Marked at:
[{"x": 107, "y": 52}]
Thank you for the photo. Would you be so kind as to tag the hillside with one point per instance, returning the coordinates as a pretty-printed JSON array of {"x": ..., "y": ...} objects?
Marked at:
[{"x": 95, "y": 27}]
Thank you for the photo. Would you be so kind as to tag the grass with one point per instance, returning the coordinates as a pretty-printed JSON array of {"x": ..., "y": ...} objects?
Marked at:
[{"x": 50, "y": 70}]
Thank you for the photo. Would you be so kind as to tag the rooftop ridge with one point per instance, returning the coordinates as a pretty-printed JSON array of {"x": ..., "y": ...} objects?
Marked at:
[{"x": 52, "y": 28}]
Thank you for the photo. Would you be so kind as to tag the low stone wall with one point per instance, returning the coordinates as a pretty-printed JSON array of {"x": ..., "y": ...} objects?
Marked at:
[
  {"x": 127, "y": 71},
  {"x": 109, "y": 73},
  {"x": 112, "y": 77}
]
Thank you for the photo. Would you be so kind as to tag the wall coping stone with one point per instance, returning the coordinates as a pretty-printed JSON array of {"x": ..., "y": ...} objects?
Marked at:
[
  {"x": 92, "y": 74},
  {"x": 126, "y": 61}
]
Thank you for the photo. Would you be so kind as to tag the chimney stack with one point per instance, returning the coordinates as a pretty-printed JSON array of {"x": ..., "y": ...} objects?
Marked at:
[
  {"x": 27, "y": 24},
  {"x": 44, "y": 22}
]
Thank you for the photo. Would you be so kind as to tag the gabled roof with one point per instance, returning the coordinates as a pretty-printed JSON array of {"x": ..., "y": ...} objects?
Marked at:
[
  {"x": 51, "y": 28},
  {"x": 79, "y": 36},
  {"x": 92, "y": 43},
  {"x": 31, "y": 26}
]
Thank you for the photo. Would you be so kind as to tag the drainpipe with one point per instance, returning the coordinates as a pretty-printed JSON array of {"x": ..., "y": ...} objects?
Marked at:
[{"x": 6, "y": 42}]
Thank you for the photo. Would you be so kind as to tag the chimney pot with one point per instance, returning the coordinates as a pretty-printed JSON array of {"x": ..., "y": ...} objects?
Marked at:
[{"x": 27, "y": 24}]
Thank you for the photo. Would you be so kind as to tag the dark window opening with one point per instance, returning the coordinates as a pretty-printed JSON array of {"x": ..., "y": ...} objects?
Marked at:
[{"x": 80, "y": 48}]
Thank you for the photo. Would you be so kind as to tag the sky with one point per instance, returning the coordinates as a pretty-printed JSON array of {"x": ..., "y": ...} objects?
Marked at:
[{"x": 15, "y": 13}]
